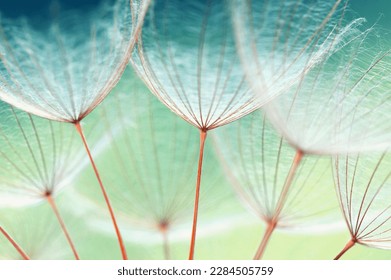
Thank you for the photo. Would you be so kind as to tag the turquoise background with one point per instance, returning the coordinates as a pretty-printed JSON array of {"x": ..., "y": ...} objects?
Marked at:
[{"x": 238, "y": 240}]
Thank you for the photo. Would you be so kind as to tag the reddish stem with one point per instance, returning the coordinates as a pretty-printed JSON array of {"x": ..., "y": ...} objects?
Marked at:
[
  {"x": 280, "y": 204},
  {"x": 348, "y": 245},
  {"x": 62, "y": 224},
  {"x": 288, "y": 182},
  {"x": 203, "y": 134},
  {"x": 106, "y": 197},
  {"x": 265, "y": 240},
  {"x": 16, "y": 245}
]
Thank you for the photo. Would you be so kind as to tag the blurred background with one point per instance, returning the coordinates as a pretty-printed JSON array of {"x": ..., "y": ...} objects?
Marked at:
[{"x": 226, "y": 229}]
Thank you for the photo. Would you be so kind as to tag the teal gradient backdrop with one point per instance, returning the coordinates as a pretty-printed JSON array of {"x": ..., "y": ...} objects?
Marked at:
[{"x": 236, "y": 232}]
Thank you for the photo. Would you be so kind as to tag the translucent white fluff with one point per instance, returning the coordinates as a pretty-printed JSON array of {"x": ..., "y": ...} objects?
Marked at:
[
  {"x": 64, "y": 68},
  {"x": 187, "y": 58},
  {"x": 257, "y": 162},
  {"x": 280, "y": 40},
  {"x": 39, "y": 157},
  {"x": 342, "y": 105},
  {"x": 364, "y": 190},
  {"x": 151, "y": 167}
]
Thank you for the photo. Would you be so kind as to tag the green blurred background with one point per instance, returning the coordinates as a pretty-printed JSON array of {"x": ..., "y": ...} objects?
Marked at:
[
  {"x": 234, "y": 232},
  {"x": 226, "y": 229}
]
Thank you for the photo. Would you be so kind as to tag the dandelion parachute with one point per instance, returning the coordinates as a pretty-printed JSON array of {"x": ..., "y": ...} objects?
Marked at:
[
  {"x": 39, "y": 159},
  {"x": 364, "y": 189},
  {"x": 257, "y": 162},
  {"x": 278, "y": 41},
  {"x": 190, "y": 63},
  {"x": 342, "y": 104},
  {"x": 151, "y": 165},
  {"x": 64, "y": 69},
  {"x": 332, "y": 107}
]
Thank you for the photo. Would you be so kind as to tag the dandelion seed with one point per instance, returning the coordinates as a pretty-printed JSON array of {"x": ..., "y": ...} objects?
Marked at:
[
  {"x": 34, "y": 165},
  {"x": 278, "y": 41},
  {"x": 257, "y": 162},
  {"x": 64, "y": 71},
  {"x": 364, "y": 189},
  {"x": 39, "y": 159},
  {"x": 151, "y": 164},
  {"x": 190, "y": 63},
  {"x": 340, "y": 104}
]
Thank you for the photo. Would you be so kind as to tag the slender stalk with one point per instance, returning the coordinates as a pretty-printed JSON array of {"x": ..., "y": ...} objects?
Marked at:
[
  {"x": 280, "y": 204},
  {"x": 106, "y": 197},
  {"x": 265, "y": 240},
  {"x": 288, "y": 182},
  {"x": 16, "y": 245},
  {"x": 203, "y": 134},
  {"x": 348, "y": 245},
  {"x": 62, "y": 224}
]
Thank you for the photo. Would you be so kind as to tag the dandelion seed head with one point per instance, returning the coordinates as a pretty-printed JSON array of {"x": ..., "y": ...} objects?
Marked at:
[
  {"x": 257, "y": 162},
  {"x": 65, "y": 68},
  {"x": 190, "y": 62},
  {"x": 280, "y": 40},
  {"x": 364, "y": 190},
  {"x": 341, "y": 105},
  {"x": 38, "y": 157},
  {"x": 151, "y": 170}
]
